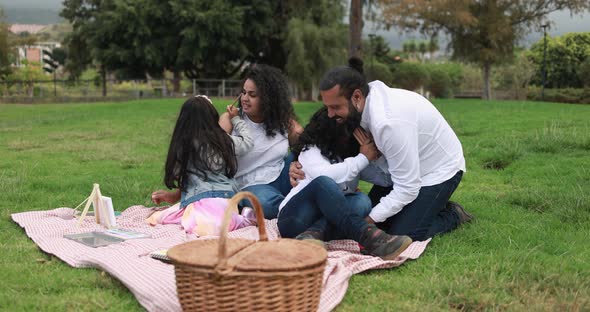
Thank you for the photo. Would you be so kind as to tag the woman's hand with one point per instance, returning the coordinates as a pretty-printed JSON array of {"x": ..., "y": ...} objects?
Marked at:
[
  {"x": 368, "y": 147},
  {"x": 370, "y": 151},
  {"x": 362, "y": 136},
  {"x": 295, "y": 173}
]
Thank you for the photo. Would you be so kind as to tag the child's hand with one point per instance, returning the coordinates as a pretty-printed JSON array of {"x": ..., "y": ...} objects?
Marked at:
[
  {"x": 296, "y": 173},
  {"x": 232, "y": 111},
  {"x": 367, "y": 146},
  {"x": 161, "y": 196}
]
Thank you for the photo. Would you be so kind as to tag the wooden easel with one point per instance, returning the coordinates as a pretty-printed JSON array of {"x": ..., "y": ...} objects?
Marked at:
[{"x": 95, "y": 199}]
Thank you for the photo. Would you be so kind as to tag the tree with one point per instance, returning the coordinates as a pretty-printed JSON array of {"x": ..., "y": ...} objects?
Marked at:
[
  {"x": 355, "y": 24},
  {"x": 433, "y": 45},
  {"x": 27, "y": 75},
  {"x": 585, "y": 73},
  {"x": 207, "y": 38},
  {"x": 5, "y": 48},
  {"x": 315, "y": 43},
  {"x": 410, "y": 48},
  {"x": 483, "y": 32},
  {"x": 422, "y": 48},
  {"x": 565, "y": 56}
]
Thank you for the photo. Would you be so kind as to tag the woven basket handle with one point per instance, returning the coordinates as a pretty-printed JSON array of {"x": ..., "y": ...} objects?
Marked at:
[{"x": 232, "y": 206}]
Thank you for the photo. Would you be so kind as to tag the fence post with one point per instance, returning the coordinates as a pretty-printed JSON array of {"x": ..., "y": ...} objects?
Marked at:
[
  {"x": 164, "y": 89},
  {"x": 194, "y": 87},
  {"x": 223, "y": 88}
]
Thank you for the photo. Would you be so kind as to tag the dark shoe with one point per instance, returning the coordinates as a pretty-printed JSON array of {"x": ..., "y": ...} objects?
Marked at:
[
  {"x": 464, "y": 217},
  {"x": 314, "y": 237},
  {"x": 380, "y": 244}
]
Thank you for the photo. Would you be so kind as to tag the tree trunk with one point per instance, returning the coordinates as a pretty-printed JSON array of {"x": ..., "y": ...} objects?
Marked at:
[
  {"x": 164, "y": 83},
  {"x": 487, "y": 87},
  {"x": 176, "y": 81},
  {"x": 103, "y": 76},
  {"x": 355, "y": 26}
]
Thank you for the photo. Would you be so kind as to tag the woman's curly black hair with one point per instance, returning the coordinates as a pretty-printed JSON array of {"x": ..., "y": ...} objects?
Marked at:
[
  {"x": 335, "y": 140},
  {"x": 275, "y": 100}
]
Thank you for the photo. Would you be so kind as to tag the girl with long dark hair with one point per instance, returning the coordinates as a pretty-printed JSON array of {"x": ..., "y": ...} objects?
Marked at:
[{"x": 200, "y": 166}]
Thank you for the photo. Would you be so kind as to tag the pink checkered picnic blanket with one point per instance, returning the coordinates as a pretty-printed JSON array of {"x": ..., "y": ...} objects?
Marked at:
[{"x": 151, "y": 281}]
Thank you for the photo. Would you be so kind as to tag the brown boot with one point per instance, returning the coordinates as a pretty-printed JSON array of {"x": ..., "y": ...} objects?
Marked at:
[
  {"x": 315, "y": 237},
  {"x": 380, "y": 244},
  {"x": 464, "y": 217}
]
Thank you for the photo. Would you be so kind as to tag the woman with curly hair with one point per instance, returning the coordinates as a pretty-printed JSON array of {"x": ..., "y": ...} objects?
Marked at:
[{"x": 266, "y": 107}]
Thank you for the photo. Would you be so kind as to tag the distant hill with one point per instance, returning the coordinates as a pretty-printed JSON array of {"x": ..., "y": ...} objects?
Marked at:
[
  {"x": 43, "y": 16},
  {"x": 55, "y": 32}
]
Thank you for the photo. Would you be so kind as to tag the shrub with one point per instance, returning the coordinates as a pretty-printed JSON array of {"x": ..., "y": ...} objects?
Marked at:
[
  {"x": 410, "y": 75},
  {"x": 439, "y": 84},
  {"x": 565, "y": 95},
  {"x": 378, "y": 71},
  {"x": 471, "y": 78}
]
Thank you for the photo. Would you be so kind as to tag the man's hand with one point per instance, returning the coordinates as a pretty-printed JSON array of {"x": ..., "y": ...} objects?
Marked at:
[
  {"x": 369, "y": 220},
  {"x": 295, "y": 173}
]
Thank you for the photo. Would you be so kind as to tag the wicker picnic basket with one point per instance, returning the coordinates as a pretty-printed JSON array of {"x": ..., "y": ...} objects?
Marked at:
[{"x": 228, "y": 274}]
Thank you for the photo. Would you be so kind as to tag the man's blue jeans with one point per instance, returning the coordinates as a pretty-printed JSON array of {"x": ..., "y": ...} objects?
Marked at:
[
  {"x": 427, "y": 215},
  {"x": 321, "y": 206},
  {"x": 271, "y": 195}
]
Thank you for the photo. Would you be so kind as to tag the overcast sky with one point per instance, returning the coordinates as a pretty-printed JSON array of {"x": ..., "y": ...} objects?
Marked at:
[{"x": 563, "y": 23}]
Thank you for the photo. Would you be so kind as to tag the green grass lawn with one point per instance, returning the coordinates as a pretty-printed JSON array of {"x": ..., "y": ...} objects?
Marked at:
[{"x": 528, "y": 184}]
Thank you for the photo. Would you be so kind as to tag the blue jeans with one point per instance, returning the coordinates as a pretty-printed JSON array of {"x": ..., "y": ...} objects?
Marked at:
[
  {"x": 321, "y": 206},
  {"x": 271, "y": 195},
  {"x": 427, "y": 215}
]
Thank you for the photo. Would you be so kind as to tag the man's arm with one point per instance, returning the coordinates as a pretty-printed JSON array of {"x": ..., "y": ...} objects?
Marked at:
[{"x": 399, "y": 144}]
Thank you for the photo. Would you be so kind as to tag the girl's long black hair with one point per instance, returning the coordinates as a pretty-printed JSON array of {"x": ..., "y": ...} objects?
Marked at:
[
  {"x": 275, "y": 101},
  {"x": 200, "y": 142},
  {"x": 335, "y": 140}
]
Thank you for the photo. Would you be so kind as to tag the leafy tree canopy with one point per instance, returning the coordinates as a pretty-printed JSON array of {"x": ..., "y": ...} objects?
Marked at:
[
  {"x": 565, "y": 58},
  {"x": 203, "y": 38},
  {"x": 484, "y": 32},
  {"x": 316, "y": 41}
]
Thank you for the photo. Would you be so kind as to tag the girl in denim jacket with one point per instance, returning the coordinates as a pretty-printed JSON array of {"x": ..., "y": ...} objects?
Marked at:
[{"x": 200, "y": 166}]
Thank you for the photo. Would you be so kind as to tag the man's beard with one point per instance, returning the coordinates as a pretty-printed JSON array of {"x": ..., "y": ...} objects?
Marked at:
[{"x": 353, "y": 120}]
